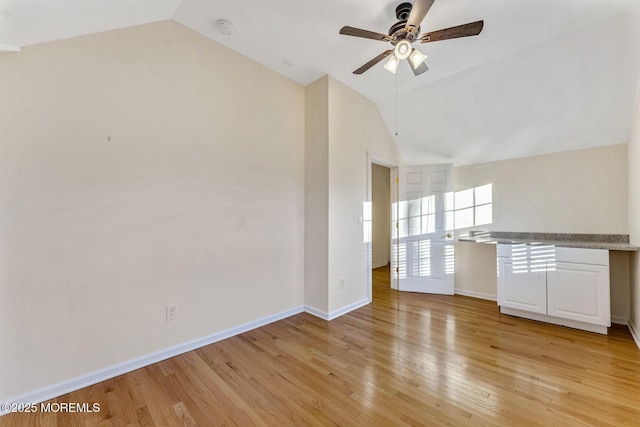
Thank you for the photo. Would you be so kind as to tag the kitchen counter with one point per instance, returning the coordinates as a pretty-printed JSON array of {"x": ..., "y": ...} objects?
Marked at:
[{"x": 611, "y": 242}]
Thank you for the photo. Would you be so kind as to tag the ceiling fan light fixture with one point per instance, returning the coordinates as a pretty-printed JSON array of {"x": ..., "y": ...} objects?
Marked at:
[
  {"x": 392, "y": 64},
  {"x": 402, "y": 49},
  {"x": 417, "y": 58}
]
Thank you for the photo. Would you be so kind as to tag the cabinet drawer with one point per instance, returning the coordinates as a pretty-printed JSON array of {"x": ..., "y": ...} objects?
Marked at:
[
  {"x": 551, "y": 253},
  {"x": 521, "y": 250},
  {"x": 583, "y": 256},
  {"x": 503, "y": 250}
]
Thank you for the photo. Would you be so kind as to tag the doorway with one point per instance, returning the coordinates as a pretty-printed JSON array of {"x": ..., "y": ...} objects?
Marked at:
[
  {"x": 381, "y": 222},
  {"x": 382, "y": 200},
  {"x": 381, "y": 216},
  {"x": 380, "y": 226}
]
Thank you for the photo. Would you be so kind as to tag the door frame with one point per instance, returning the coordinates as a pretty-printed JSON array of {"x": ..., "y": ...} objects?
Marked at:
[{"x": 393, "y": 165}]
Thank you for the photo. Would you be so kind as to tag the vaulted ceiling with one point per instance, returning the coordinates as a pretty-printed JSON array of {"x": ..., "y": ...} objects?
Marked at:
[{"x": 543, "y": 76}]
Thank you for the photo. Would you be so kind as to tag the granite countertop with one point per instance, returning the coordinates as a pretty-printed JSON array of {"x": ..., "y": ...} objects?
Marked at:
[{"x": 611, "y": 242}]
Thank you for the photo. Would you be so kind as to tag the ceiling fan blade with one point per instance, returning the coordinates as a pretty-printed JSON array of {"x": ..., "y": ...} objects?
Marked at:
[
  {"x": 373, "y": 62},
  {"x": 418, "y": 12},
  {"x": 420, "y": 69},
  {"x": 471, "y": 29},
  {"x": 357, "y": 32}
]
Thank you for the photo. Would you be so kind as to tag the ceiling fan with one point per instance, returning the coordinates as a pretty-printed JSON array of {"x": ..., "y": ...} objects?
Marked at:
[{"x": 406, "y": 31}]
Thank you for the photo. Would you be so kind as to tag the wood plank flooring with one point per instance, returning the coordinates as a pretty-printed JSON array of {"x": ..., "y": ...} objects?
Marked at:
[{"x": 406, "y": 359}]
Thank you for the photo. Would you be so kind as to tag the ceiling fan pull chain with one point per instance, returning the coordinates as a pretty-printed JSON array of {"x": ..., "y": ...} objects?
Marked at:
[{"x": 396, "y": 104}]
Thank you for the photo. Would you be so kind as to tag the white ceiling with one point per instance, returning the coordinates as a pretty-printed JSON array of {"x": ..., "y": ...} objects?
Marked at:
[{"x": 543, "y": 76}]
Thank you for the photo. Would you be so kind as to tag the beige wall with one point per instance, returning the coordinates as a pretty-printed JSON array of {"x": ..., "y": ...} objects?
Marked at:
[
  {"x": 634, "y": 219},
  {"x": 356, "y": 128},
  {"x": 343, "y": 128},
  {"x": 582, "y": 191},
  {"x": 620, "y": 279},
  {"x": 316, "y": 230},
  {"x": 475, "y": 273},
  {"x": 141, "y": 167},
  {"x": 381, "y": 215}
]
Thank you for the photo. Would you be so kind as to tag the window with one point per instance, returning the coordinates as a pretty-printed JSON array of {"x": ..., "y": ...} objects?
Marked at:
[{"x": 470, "y": 207}]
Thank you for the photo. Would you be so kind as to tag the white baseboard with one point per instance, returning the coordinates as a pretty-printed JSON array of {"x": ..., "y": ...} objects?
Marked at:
[
  {"x": 346, "y": 309},
  {"x": 475, "y": 294},
  {"x": 598, "y": 329},
  {"x": 634, "y": 332},
  {"x": 316, "y": 312},
  {"x": 619, "y": 320},
  {"x": 82, "y": 381},
  {"x": 336, "y": 313}
]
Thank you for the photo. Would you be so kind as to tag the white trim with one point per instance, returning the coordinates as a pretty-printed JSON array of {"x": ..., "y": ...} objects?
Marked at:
[
  {"x": 8, "y": 48},
  {"x": 316, "y": 312},
  {"x": 474, "y": 294},
  {"x": 395, "y": 191},
  {"x": 64, "y": 387},
  {"x": 633, "y": 329},
  {"x": 336, "y": 313},
  {"x": 382, "y": 161},
  {"x": 599, "y": 329},
  {"x": 393, "y": 165},
  {"x": 619, "y": 320},
  {"x": 347, "y": 308},
  {"x": 379, "y": 266}
]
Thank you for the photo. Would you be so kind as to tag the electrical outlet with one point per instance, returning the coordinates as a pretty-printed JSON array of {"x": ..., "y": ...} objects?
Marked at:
[
  {"x": 342, "y": 283},
  {"x": 172, "y": 311}
]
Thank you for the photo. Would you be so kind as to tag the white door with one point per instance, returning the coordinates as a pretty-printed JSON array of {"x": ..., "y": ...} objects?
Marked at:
[{"x": 423, "y": 236}]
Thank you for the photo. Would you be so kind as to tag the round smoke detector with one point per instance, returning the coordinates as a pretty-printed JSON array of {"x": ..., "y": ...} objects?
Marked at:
[{"x": 224, "y": 26}]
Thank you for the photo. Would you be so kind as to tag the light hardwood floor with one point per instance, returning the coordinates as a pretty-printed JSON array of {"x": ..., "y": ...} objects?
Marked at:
[{"x": 406, "y": 359}]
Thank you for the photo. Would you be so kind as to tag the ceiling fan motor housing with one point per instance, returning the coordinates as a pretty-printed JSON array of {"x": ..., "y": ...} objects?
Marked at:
[
  {"x": 403, "y": 11},
  {"x": 398, "y": 26},
  {"x": 398, "y": 30}
]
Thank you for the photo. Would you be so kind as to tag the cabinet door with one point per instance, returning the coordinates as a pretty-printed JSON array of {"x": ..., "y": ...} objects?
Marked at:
[
  {"x": 522, "y": 287},
  {"x": 579, "y": 292}
]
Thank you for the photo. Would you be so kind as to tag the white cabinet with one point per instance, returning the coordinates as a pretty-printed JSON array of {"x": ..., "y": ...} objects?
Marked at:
[
  {"x": 578, "y": 286},
  {"x": 521, "y": 290},
  {"x": 565, "y": 286}
]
